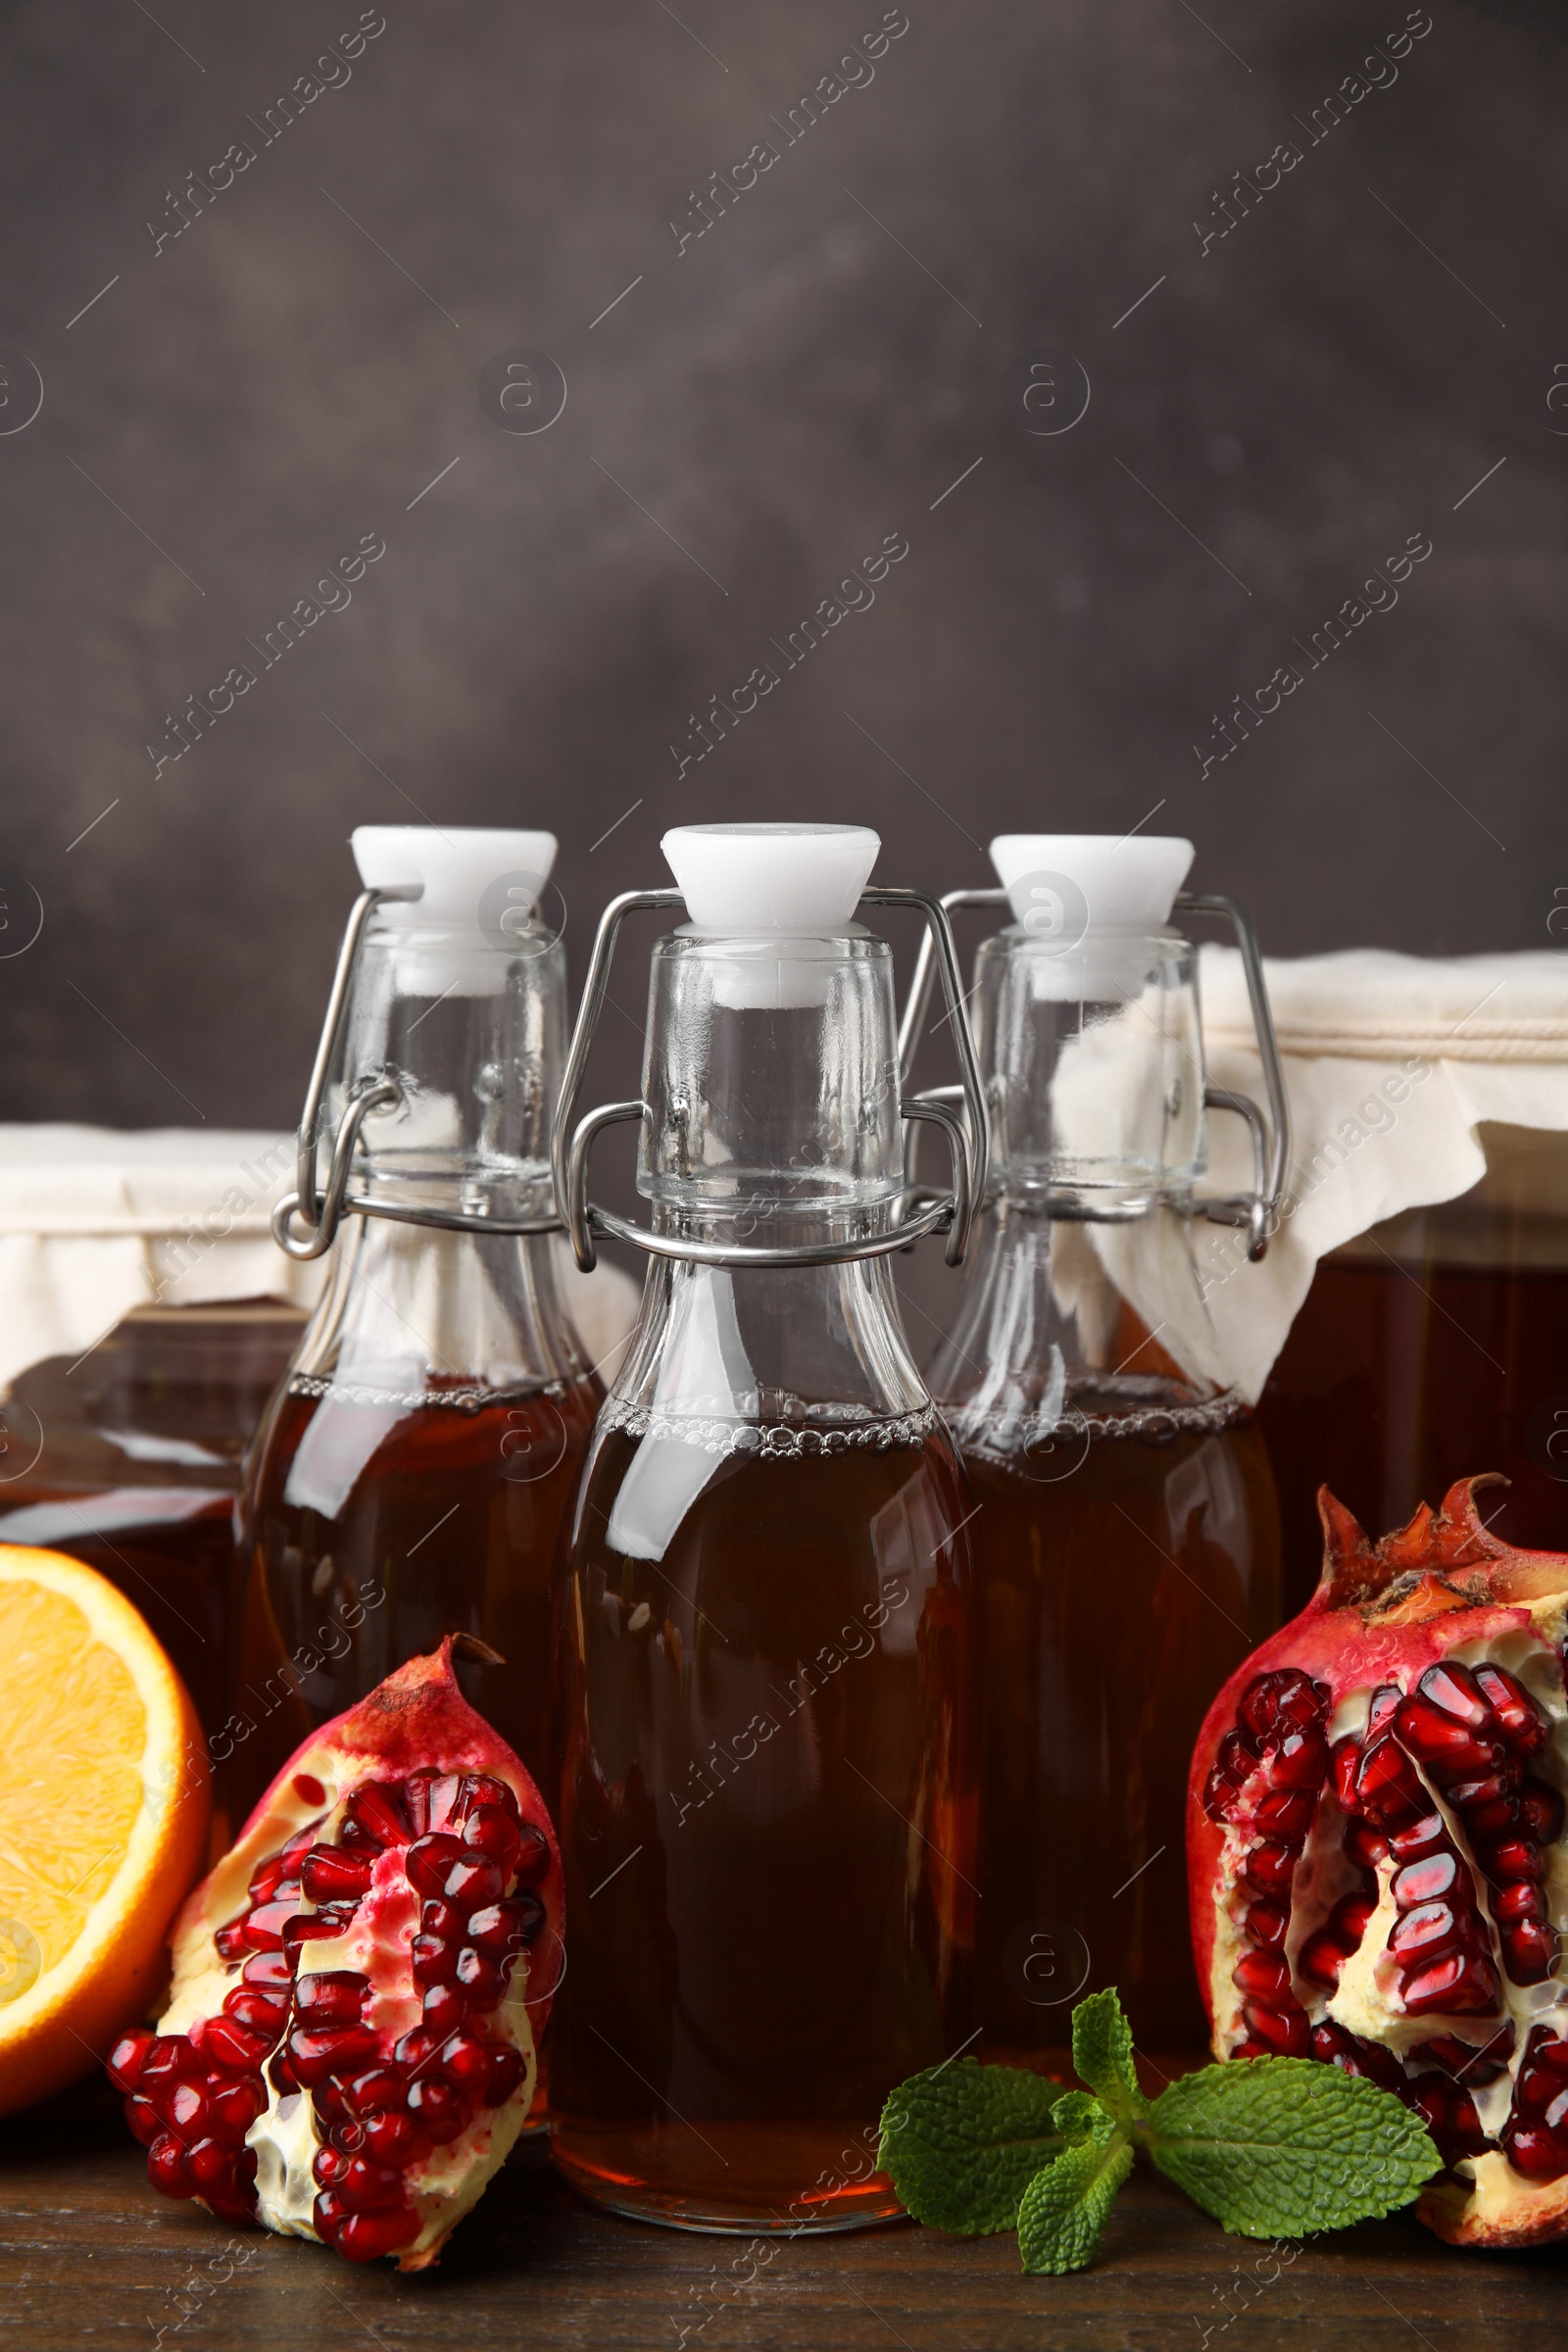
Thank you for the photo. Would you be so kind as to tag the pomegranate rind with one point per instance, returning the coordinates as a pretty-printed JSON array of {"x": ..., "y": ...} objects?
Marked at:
[
  {"x": 1442, "y": 1588},
  {"x": 417, "y": 1720},
  {"x": 64, "y": 2022}
]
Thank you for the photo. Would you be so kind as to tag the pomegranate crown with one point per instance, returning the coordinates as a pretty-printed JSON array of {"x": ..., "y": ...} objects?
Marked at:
[{"x": 1443, "y": 1559}]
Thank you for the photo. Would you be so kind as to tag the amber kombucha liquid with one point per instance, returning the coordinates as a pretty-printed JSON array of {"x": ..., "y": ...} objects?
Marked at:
[
  {"x": 767, "y": 1820},
  {"x": 1122, "y": 1580},
  {"x": 371, "y": 1527},
  {"x": 1398, "y": 1378}
]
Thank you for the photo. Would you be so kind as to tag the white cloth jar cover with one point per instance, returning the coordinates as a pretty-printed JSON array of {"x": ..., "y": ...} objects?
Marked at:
[
  {"x": 95, "y": 1222},
  {"x": 1391, "y": 1064}
]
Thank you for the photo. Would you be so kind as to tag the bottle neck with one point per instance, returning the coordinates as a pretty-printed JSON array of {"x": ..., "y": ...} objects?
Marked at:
[
  {"x": 415, "y": 1311},
  {"x": 792, "y": 1351},
  {"x": 1105, "y": 1322}
]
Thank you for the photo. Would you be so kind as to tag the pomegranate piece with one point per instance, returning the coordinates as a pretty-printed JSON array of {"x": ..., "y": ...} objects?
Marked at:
[
  {"x": 1374, "y": 1802},
  {"x": 305, "y": 1973}
]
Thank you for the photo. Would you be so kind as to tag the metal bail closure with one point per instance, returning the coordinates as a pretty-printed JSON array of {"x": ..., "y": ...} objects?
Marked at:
[
  {"x": 306, "y": 1220},
  {"x": 1258, "y": 1210},
  {"x": 916, "y": 1212}
]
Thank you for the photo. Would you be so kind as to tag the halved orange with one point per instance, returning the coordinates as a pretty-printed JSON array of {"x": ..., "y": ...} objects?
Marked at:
[{"x": 103, "y": 1818}]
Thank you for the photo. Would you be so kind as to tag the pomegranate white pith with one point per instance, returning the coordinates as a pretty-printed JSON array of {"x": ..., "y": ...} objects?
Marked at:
[
  {"x": 348, "y": 2050},
  {"x": 1378, "y": 1872}
]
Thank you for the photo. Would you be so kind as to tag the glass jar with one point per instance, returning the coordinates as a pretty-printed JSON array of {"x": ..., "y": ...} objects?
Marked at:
[{"x": 768, "y": 1784}]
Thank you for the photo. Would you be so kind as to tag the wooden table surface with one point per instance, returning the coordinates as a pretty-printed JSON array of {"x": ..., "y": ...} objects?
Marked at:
[{"x": 90, "y": 2255}]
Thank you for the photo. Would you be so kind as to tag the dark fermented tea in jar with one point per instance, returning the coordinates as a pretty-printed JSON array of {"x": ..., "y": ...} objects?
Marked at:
[
  {"x": 1126, "y": 1543},
  {"x": 1430, "y": 1346},
  {"x": 412, "y": 1473},
  {"x": 768, "y": 1783}
]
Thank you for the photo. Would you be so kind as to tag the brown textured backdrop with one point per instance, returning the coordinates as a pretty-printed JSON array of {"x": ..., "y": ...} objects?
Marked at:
[{"x": 1375, "y": 334}]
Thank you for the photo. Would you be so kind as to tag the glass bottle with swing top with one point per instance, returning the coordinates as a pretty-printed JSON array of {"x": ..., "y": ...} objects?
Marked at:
[{"x": 766, "y": 1804}]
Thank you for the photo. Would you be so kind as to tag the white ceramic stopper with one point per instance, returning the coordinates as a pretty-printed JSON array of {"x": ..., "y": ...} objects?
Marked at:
[
  {"x": 1113, "y": 886},
  {"x": 457, "y": 869},
  {"x": 761, "y": 879}
]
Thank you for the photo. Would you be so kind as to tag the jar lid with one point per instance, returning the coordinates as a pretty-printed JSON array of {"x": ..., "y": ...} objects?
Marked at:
[
  {"x": 750, "y": 879},
  {"x": 1063, "y": 886}
]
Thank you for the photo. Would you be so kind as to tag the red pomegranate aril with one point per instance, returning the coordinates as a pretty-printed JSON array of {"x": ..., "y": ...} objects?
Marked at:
[
  {"x": 314, "y": 1926},
  {"x": 445, "y": 2009},
  {"x": 484, "y": 1788},
  {"x": 185, "y": 2111},
  {"x": 209, "y": 2166},
  {"x": 375, "y": 1808},
  {"x": 234, "y": 2106},
  {"x": 1519, "y": 1901},
  {"x": 1528, "y": 1951},
  {"x": 332, "y": 1873},
  {"x": 171, "y": 2059},
  {"x": 143, "y": 2119},
  {"x": 1524, "y": 1727},
  {"x": 1266, "y": 1976},
  {"x": 1266, "y": 1924},
  {"x": 1426, "y": 1931},
  {"x": 1463, "y": 1983},
  {"x": 1428, "y": 1834},
  {"x": 473, "y": 1880},
  {"x": 429, "y": 1860},
  {"x": 1321, "y": 1958},
  {"x": 364, "y": 2236},
  {"x": 1454, "y": 1692},
  {"x": 1549, "y": 2049},
  {"x": 1286, "y": 1813},
  {"x": 466, "y": 2063},
  {"x": 1511, "y": 1858},
  {"x": 1301, "y": 1761},
  {"x": 494, "y": 1831},
  {"x": 260, "y": 2012},
  {"x": 532, "y": 1864},
  {"x": 484, "y": 1982},
  {"x": 394, "y": 2139},
  {"x": 367, "y": 2185},
  {"x": 128, "y": 2056},
  {"x": 264, "y": 1879},
  {"x": 1333, "y": 2045},
  {"x": 229, "y": 1941},
  {"x": 1435, "y": 1739},
  {"x": 506, "y": 2070},
  {"x": 1491, "y": 1818},
  {"x": 330, "y": 1997},
  {"x": 380, "y": 2088},
  {"x": 440, "y": 2111},
  {"x": 433, "y": 1961},
  {"x": 1475, "y": 2063},
  {"x": 329, "y": 2165},
  {"x": 1429, "y": 1881},
  {"x": 1345, "y": 1762},
  {"x": 346, "y": 2135},
  {"x": 229, "y": 2044},
  {"x": 1535, "y": 2151},
  {"x": 1363, "y": 1845},
  {"x": 1285, "y": 2031},
  {"x": 416, "y": 2048},
  {"x": 262, "y": 1928},
  {"x": 1388, "y": 1786},
  {"x": 1270, "y": 1867},
  {"x": 281, "y": 2074},
  {"x": 416, "y": 1795},
  {"x": 335, "y": 2050},
  {"x": 446, "y": 1920},
  {"x": 165, "y": 2167},
  {"x": 268, "y": 1972},
  {"x": 1541, "y": 1810},
  {"x": 293, "y": 1850}
]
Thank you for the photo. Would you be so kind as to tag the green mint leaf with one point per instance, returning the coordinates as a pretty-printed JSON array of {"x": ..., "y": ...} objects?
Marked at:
[
  {"x": 1103, "y": 2053},
  {"x": 1065, "y": 2207},
  {"x": 962, "y": 2142},
  {"x": 1275, "y": 2147},
  {"x": 1074, "y": 2114}
]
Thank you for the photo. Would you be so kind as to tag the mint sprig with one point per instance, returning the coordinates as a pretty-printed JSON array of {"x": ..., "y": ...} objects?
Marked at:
[{"x": 1272, "y": 2147}]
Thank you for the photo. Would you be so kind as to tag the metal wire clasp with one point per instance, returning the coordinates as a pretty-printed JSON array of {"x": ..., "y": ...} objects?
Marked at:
[
  {"x": 968, "y": 1139},
  {"x": 304, "y": 1221},
  {"x": 1258, "y": 1210}
]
